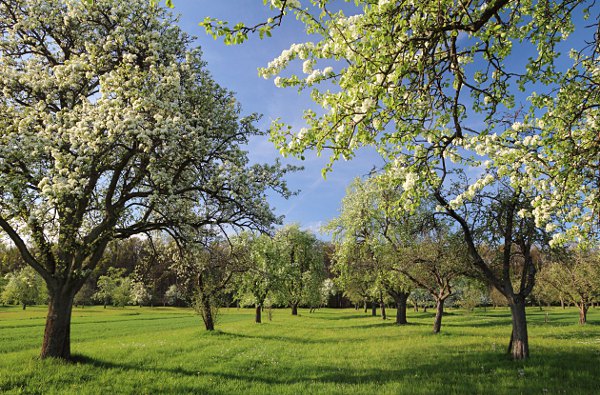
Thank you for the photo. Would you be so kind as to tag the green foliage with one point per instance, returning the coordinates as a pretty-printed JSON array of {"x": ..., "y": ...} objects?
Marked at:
[
  {"x": 161, "y": 350},
  {"x": 121, "y": 295},
  {"x": 433, "y": 86},
  {"x": 470, "y": 294},
  {"x": 23, "y": 287},
  {"x": 114, "y": 287},
  {"x": 301, "y": 270},
  {"x": 260, "y": 259},
  {"x": 173, "y": 295},
  {"x": 572, "y": 274}
]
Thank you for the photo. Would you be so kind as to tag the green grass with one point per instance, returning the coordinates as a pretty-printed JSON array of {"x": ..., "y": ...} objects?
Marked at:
[{"x": 166, "y": 350}]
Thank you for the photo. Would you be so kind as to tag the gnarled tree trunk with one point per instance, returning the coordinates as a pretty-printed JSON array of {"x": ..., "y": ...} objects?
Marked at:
[
  {"x": 439, "y": 312},
  {"x": 294, "y": 308},
  {"x": 519, "y": 342},
  {"x": 57, "y": 334},
  {"x": 207, "y": 313}
]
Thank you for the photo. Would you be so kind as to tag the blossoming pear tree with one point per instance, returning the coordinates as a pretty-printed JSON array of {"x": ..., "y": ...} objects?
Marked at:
[{"x": 110, "y": 126}]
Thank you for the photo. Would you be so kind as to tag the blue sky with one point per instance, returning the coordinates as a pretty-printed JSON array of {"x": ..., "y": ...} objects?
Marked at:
[{"x": 235, "y": 68}]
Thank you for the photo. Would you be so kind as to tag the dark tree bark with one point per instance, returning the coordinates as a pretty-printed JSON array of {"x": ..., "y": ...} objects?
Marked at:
[
  {"x": 439, "y": 312},
  {"x": 583, "y": 309},
  {"x": 207, "y": 314},
  {"x": 258, "y": 314},
  {"x": 24, "y": 306},
  {"x": 57, "y": 333},
  {"x": 374, "y": 308},
  {"x": 518, "y": 346},
  {"x": 514, "y": 233},
  {"x": 400, "y": 300},
  {"x": 294, "y": 308},
  {"x": 365, "y": 305}
]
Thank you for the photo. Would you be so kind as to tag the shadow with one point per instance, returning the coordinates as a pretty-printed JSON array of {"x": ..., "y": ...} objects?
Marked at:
[
  {"x": 332, "y": 317},
  {"x": 134, "y": 318},
  {"x": 391, "y": 322},
  {"x": 497, "y": 322},
  {"x": 289, "y": 339},
  {"x": 545, "y": 372}
]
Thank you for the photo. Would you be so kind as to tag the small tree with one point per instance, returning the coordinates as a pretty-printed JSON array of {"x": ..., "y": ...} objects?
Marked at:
[
  {"x": 205, "y": 264},
  {"x": 121, "y": 296},
  {"x": 107, "y": 284},
  {"x": 575, "y": 274},
  {"x": 301, "y": 270},
  {"x": 260, "y": 257},
  {"x": 24, "y": 287},
  {"x": 139, "y": 293},
  {"x": 173, "y": 295}
]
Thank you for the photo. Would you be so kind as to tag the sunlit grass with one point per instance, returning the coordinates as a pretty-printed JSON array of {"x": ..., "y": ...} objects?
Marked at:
[{"x": 158, "y": 350}]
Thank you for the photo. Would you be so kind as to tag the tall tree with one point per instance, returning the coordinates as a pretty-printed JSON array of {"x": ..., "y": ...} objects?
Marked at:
[{"x": 98, "y": 99}]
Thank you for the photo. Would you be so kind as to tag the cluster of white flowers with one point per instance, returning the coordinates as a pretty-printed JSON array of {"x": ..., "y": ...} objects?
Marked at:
[
  {"x": 471, "y": 191},
  {"x": 410, "y": 180}
]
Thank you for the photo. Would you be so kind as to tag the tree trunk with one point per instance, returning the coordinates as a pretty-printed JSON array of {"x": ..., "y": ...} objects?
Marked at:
[
  {"x": 562, "y": 303},
  {"x": 519, "y": 342},
  {"x": 365, "y": 304},
  {"x": 258, "y": 314},
  {"x": 57, "y": 334},
  {"x": 207, "y": 316},
  {"x": 424, "y": 308},
  {"x": 583, "y": 309},
  {"x": 401, "y": 309},
  {"x": 294, "y": 308},
  {"x": 439, "y": 312},
  {"x": 374, "y": 309},
  {"x": 382, "y": 304},
  {"x": 24, "y": 306}
]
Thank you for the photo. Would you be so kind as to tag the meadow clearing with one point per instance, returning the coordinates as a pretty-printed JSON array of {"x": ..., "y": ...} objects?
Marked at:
[{"x": 166, "y": 350}]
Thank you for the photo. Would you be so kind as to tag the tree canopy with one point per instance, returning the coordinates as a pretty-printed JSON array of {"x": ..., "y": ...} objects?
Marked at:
[
  {"x": 436, "y": 85},
  {"x": 98, "y": 99}
]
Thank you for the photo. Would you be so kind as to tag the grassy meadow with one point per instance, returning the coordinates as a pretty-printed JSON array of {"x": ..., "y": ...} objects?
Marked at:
[{"x": 165, "y": 350}]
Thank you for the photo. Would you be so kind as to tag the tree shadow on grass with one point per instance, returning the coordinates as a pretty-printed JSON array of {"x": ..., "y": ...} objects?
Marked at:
[
  {"x": 352, "y": 316},
  {"x": 497, "y": 322},
  {"x": 546, "y": 371},
  {"x": 291, "y": 339}
]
